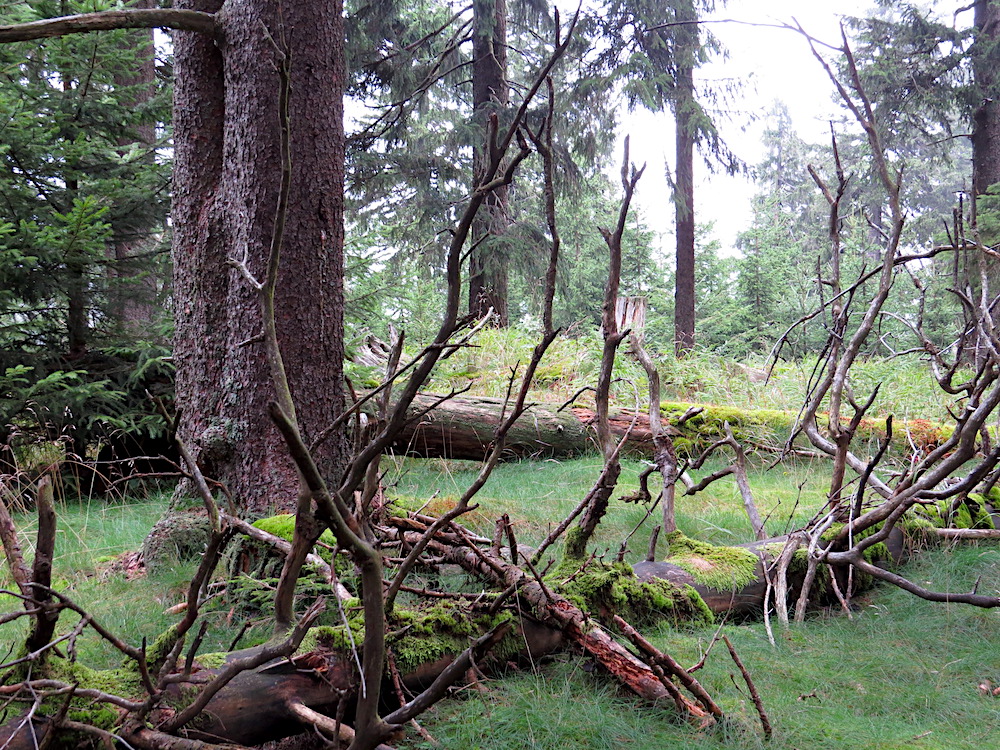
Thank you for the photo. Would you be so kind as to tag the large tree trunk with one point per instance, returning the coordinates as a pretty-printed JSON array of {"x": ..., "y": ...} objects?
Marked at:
[
  {"x": 226, "y": 184},
  {"x": 986, "y": 118},
  {"x": 490, "y": 96},
  {"x": 684, "y": 301}
]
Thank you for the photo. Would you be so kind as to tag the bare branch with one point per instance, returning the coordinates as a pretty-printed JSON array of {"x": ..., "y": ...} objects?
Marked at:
[{"x": 108, "y": 20}]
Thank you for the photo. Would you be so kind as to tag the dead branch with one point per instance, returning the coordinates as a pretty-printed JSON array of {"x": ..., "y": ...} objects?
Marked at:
[
  {"x": 765, "y": 723},
  {"x": 108, "y": 20},
  {"x": 672, "y": 668}
]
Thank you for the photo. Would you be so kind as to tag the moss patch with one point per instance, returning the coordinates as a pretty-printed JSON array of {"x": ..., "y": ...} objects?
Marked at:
[
  {"x": 719, "y": 568},
  {"x": 124, "y": 682},
  {"x": 254, "y": 567},
  {"x": 418, "y": 636},
  {"x": 972, "y": 513},
  {"x": 773, "y": 426},
  {"x": 613, "y": 589}
]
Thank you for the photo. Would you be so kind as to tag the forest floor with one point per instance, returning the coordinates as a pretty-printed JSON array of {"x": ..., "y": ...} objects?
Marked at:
[{"x": 901, "y": 673}]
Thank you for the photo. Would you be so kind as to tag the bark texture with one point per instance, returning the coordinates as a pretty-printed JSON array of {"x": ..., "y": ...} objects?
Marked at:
[
  {"x": 684, "y": 301},
  {"x": 490, "y": 96},
  {"x": 227, "y": 179},
  {"x": 463, "y": 428},
  {"x": 986, "y": 117}
]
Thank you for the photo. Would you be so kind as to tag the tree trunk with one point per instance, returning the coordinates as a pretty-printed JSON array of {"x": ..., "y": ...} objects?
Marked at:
[
  {"x": 227, "y": 175},
  {"x": 463, "y": 428},
  {"x": 684, "y": 298},
  {"x": 490, "y": 96},
  {"x": 748, "y": 599},
  {"x": 133, "y": 288},
  {"x": 986, "y": 118}
]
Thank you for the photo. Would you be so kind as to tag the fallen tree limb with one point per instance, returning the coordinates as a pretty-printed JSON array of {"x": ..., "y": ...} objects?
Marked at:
[{"x": 558, "y": 612}]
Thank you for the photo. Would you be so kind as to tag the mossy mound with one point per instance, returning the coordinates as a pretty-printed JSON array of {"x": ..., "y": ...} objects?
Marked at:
[
  {"x": 283, "y": 526},
  {"x": 178, "y": 536},
  {"x": 972, "y": 513},
  {"x": 255, "y": 567},
  {"x": 613, "y": 589},
  {"x": 719, "y": 568},
  {"x": 748, "y": 425},
  {"x": 418, "y": 636}
]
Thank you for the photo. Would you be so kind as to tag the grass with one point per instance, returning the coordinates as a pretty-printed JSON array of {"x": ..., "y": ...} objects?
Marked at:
[
  {"x": 902, "y": 674},
  {"x": 90, "y": 534},
  {"x": 539, "y": 494},
  {"x": 908, "y": 390}
]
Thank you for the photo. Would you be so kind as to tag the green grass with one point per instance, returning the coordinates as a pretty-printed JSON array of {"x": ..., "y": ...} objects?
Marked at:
[
  {"x": 908, "y": 390},
  {"x": 902, "y": 674},
  {"x": 89, "y": 535},
  {"x": 539, "y": 494}
]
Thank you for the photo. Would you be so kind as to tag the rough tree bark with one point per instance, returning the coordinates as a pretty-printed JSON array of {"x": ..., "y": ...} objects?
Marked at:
[
  {"x": 684, "y": 302},
  {"x": 226, "y": 182},
  {"x": 490, "y": 96},
  {"x": 986, "y": 117}
]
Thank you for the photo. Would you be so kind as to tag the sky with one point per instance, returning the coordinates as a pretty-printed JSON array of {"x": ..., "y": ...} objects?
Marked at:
[{"x": 773, "y": 64}]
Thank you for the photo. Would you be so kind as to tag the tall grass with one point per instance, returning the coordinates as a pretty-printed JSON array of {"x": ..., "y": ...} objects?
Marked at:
[
  {"x": 908, "y": 389},
  {"x": 902, "y": 674},
  {"x": 90, "y": 534}
]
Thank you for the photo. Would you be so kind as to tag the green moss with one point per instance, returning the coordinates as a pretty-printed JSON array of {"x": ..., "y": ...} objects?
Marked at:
[
  {"x": 774, "y": 426},
  {"x": 972, "y": 513},
  {"x": 800, "y": 559},
  {"x": 255, "y": 567},
  {"x": 283, "y": 526},
  {"x": 719, "y": 568},
  {"x": 574, "y": 547},
  {"x": 767, "y": 425},
  {"x": 430, "y": 633},
  {"x": 212, "y": 661},
  {"x": 993, "y": 497},
  {"x": 124, "y": 682},
  {"x": 613, "y": 589},
  {"x": 419, "y": 636}
]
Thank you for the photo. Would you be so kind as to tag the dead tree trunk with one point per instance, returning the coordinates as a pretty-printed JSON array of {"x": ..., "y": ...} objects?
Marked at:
[{"x": 464, "y": 427}]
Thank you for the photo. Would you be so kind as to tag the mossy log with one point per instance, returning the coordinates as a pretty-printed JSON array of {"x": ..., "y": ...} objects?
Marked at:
[
  {"x": 464, "y": 427},
  {"x": 262, "y": 704},
  {"x": 729, "y": 585}
]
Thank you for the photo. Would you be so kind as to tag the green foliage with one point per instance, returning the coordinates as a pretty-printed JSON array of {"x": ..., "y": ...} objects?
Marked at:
[
  {"x": 83, "y": 202},
  {"x": 971, "y": 513}
]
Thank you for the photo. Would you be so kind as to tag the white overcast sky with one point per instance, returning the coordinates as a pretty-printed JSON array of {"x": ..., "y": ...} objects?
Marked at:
[{"x": 774, "y": 65}]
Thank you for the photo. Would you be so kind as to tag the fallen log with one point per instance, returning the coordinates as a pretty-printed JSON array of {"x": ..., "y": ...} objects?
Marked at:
[
  {"x": 463, "y": 427},
  {"x": 734, "y": 587},
  {"x": 586, "y": 634},
  {"x": 281, "y": 698}
]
